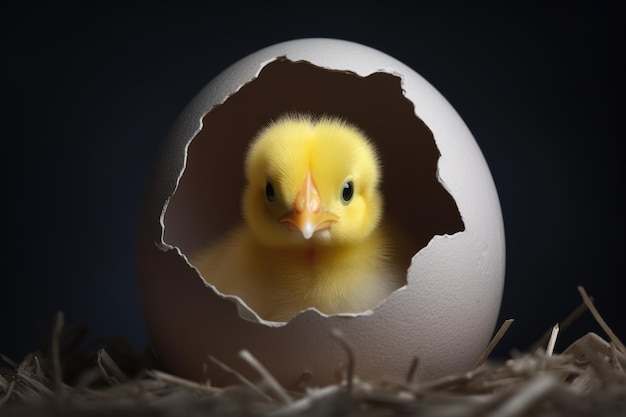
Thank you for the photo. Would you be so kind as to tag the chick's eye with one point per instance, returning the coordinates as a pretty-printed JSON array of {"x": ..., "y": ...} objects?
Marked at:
[
  {"x": 269, "y": 192},
  {"x": 348, "y": 192}
]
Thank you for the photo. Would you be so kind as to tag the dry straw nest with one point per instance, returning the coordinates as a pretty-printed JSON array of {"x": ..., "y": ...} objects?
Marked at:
[{"x": 69, "y": 379}]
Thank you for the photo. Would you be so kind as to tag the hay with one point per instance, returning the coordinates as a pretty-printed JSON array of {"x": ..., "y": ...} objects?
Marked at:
[{"x": 70, "y": 379}]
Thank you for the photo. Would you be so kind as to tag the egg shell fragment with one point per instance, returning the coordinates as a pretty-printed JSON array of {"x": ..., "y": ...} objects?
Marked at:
[{"x": 446, "y": 314}]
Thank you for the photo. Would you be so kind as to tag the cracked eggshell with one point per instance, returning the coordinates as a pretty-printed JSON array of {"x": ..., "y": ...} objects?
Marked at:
[{"x": 437, "y": 186}]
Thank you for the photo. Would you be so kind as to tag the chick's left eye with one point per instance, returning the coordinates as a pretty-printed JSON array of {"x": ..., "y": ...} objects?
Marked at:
[
  {"x": 269, "y": 192},
  {"x": 347, "y": 192}
]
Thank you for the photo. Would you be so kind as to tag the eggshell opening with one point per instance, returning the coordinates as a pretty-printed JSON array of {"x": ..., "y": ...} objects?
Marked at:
[
  {"x": 207, "y": 201},
  {"x": 436, "y": 185}
]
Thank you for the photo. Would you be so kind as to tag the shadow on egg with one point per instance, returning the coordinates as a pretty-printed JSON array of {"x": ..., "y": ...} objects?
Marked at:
[{"x": 207, "y": 203}]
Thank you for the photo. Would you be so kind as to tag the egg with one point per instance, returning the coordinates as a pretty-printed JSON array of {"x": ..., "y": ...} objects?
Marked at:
[{"x": 437, "y": 187}]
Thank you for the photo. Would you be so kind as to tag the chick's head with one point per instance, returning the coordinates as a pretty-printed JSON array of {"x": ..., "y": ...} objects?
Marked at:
[{"x": 311, "y": 180}]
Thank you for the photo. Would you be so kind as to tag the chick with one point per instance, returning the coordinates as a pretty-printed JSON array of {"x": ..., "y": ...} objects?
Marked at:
[{"x": 313, "y": 235}]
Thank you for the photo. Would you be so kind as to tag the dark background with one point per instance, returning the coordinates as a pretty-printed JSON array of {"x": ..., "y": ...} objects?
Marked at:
[{"x": 88, "y": 94}]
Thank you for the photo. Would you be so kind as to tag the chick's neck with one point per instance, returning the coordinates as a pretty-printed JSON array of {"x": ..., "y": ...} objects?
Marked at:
[{"x": 310, "y": 254}]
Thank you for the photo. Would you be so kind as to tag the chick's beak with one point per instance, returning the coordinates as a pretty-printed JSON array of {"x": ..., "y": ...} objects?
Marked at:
[{"x": 307, "y": 215}]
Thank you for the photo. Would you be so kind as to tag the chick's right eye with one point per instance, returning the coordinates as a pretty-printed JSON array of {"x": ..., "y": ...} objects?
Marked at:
[
  {"x": 347, "y": 192},
  {"x": 269, "y": 192}
]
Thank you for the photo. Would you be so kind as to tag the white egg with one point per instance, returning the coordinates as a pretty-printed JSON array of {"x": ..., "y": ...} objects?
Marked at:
[{"x": 437, "y": 185}]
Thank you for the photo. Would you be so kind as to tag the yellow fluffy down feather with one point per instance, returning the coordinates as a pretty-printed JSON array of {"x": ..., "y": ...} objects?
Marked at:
[{"x": 313, "y": 235}]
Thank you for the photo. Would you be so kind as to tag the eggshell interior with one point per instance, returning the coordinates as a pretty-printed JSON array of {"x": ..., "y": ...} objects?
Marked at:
[
  {"x": 207, "y": 203},
  {"x": 436, "y": 185}
]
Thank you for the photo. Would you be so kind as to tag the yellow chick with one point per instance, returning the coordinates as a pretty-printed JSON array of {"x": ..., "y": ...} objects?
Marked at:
[{"x": 313, "y": 235}]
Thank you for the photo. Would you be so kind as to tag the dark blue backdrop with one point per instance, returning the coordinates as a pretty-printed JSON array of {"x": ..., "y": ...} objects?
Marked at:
[{"x": 89, "y": 93}]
